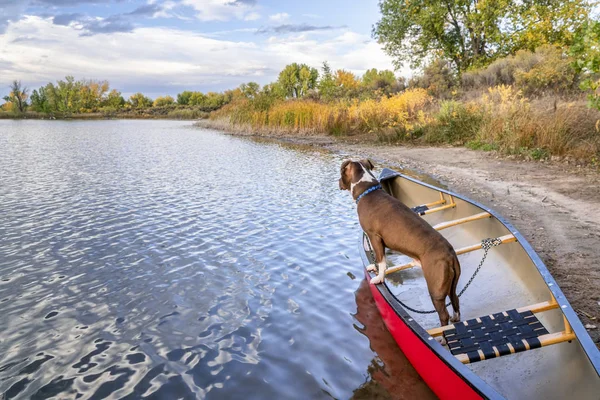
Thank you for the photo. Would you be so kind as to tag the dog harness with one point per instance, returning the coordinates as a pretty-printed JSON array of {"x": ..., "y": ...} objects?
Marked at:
[{"x": 369, "y": 190}]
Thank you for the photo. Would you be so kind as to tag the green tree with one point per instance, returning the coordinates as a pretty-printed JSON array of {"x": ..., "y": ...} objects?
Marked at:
[
  {"x": 17, "y": 95},
  {"x": 183, "y": 98},
  {"x": 163, "y": 101},
  {"x": 586, "y": 51},
  {"x": 297, "y": 79},
  {"x": 114, "y": 100},
  {"x": 138, "y": 100},
  {"x": 327, "y": 87},
  {"x": 250, "y": 89},
  {"x": 474, "y": 32},
  {"x": 39, "y": 100},
  {"x": 197, "y": 99}
]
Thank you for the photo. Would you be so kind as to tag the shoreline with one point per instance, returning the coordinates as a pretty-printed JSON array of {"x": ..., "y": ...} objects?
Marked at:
[{"x": 555, "y": 205}]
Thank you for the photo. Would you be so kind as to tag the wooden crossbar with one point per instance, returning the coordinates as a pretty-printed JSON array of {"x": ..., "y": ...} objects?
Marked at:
[
  {"x": 534, "y": 308},
  {"x": 545, "y": 340},
  {"x": 468, "y": 249},
  {"x": 435, "y": 203},
  {"x": 448, "y": 224},
  {"x": 432, "y": 210}
]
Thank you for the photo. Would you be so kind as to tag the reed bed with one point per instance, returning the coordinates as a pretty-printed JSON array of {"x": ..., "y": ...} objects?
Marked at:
[{"x": 501, "y": 119}]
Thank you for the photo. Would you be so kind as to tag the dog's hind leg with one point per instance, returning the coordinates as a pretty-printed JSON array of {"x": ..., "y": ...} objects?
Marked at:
[
  {"x": 379, "y": 250},
  {"x": 452, "y": 294},
  {"x": 439, "y": 303}
]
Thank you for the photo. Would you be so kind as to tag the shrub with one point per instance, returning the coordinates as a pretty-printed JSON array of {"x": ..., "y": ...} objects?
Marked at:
[
  {"x": 438, "y": 79},
  {"x": 547, "y": 70},
  {"x": 455, "y": 123}
]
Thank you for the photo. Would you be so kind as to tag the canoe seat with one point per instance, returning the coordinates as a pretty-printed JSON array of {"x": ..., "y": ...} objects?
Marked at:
[
  {"x": 495, "y": 335},
  {"x": 420, "y": 209}
]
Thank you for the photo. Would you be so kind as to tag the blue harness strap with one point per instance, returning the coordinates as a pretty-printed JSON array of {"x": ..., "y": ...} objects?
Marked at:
[{"x": 366, "y": 192}]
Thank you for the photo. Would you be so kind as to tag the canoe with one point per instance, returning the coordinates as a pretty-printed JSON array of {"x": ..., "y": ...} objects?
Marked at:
[{"x": 519, "y": 338}]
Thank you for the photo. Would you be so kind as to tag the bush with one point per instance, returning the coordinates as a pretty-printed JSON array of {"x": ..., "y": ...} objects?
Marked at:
[
  {"x": 438, "y": 79},
  {"x": 455, "y": 123},
  {"x": 547, "y": 70}
]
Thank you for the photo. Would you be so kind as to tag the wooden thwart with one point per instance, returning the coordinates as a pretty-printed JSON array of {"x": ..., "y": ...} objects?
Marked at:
[
  {"x": 444, "y": 225},
  {"x": 468, "y": 249}
]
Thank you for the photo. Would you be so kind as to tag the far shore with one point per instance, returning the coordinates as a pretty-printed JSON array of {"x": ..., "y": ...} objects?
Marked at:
[{"x": 555, "y": 204}]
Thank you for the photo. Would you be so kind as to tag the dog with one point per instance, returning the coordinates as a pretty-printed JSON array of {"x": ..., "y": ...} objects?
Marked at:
[{"x": 390, "y": 223}]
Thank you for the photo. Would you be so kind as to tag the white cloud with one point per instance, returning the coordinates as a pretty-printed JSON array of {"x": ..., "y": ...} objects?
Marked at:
[
  {"x": 279, "y": 17},
  {"x": 170, "y": 59},
  {"x": 220, "y": 10},
  {"x": 253, "y": 16}
]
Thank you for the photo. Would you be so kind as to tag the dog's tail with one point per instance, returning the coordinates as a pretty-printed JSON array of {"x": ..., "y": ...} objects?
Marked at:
[{"x": 453, "y": 296}]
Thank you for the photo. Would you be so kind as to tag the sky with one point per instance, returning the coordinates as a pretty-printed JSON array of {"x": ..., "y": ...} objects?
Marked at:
[{"x": 161, "y": 47}]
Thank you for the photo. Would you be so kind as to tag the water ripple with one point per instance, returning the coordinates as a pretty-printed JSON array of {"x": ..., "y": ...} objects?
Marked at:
[{"x": 149, "y": 259}]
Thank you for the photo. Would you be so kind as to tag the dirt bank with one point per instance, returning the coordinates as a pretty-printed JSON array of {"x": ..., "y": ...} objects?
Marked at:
[{"x": 556, "y": 206}]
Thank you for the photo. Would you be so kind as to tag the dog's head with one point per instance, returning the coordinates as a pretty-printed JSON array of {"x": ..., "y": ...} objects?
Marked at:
[{"x": 353, "y": 173}]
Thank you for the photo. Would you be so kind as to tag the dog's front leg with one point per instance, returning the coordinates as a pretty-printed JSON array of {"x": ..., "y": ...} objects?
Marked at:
[{"x": 379, "y": 250}]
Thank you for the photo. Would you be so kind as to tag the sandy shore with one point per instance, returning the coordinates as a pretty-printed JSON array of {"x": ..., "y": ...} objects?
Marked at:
[{"x": 556, "y": 206}]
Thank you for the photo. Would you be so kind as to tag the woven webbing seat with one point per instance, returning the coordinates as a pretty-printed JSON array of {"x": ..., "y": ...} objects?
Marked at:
[
  {"x": 420, "y": 209},
  {"x": 495, "y": 335}
]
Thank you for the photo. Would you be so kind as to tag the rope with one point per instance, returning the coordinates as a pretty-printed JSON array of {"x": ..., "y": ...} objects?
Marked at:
[{"x": 486, "y": 245}]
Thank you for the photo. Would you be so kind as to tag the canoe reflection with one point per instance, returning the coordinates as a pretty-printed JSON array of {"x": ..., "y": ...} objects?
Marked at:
[{"x": 390, "y": 374}]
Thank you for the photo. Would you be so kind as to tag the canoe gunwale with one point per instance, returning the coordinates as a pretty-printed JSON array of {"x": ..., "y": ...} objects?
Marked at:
[{"x": 465, "y": 373}]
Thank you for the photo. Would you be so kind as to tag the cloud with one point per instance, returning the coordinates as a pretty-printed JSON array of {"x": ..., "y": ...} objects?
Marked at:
[
  {"x": 106, "y": 25},
  {"x": 146, "y": 10},
  {"x": 94, "y": 25},
  {"x": 221, "y": 10},
  {"x": 314, "y": 16},
  {"x": 253, "y": 16},
  {"x": 66, "y": 19},
  {"x": 279, "y": 17},
  {"x": 10, "y": 11},
  {"x": 296, "y": 28},
  {"x": 159, "y": 61}
]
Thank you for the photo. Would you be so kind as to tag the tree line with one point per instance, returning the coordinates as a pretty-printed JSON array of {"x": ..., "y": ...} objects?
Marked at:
[{"x": 456, "y": 45}]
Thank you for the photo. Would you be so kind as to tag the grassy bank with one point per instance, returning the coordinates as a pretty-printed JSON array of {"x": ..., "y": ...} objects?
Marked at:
[
  {"x": 166, "y": 112},
  {"x": 500, "y": 119}
]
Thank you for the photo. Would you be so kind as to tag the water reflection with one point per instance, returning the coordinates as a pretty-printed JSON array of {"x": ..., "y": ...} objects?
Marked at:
[{"x": 149, "y": 259}]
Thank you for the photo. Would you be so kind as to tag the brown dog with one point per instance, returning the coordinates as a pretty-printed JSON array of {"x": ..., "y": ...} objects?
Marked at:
[{"x": 389, "y": 223}]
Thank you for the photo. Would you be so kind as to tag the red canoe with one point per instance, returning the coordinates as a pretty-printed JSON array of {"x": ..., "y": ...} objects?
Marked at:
[{"x": 519, "y": 337}]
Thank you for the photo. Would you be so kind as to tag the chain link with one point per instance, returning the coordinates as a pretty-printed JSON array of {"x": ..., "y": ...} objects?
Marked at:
[{"x": 486, "y": 245}]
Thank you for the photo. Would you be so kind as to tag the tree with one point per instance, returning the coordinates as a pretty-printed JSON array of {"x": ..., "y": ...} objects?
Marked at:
[
  {"x": 474, "y": 32},
  {"x": 183, "y": 98},
  {"x": 114, "y": 100},
  {"x": 327, "y": 87},
  {"x": 297, "y": 79},
  {"x": 138, "y": 100},
  {"x": 39, "y": 100},
  {"x": 587, "y": 60},
  {"x": 163, "y": 101},
  {"x": 250, "y": 89},
  {"x": 17, "y": 96}
]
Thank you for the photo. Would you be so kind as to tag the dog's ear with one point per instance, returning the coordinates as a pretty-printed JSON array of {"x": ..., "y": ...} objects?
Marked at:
[
  {"x": 344, "y": 165},
  {"x": 368, "y": 164}
]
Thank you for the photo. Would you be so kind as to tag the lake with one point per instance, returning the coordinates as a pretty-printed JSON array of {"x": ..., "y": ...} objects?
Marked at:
[{"x": 152, "y": 259}]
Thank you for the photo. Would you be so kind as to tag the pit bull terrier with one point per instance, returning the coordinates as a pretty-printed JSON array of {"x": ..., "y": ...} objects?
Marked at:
[{"x": 389, "y": 223}]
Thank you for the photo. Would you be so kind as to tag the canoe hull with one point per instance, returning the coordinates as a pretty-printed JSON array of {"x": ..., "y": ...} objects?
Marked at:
[{"x": 445, "y": 382}]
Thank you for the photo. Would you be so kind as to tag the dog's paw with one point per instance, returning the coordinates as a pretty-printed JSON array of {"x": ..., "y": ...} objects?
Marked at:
[
  {"x": 455, "y": 317},
  {"x": 441, "y": 340},
  {"x": 371, "y": 268},
  {"x": 377, "y": 280}
]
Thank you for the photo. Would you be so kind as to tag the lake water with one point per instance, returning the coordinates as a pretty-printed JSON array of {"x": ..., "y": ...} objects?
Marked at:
[{"x": 154, "y": 259}]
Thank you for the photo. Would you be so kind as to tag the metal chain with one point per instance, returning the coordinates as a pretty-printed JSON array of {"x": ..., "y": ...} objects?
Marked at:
[{"x": 486, "y": 245}]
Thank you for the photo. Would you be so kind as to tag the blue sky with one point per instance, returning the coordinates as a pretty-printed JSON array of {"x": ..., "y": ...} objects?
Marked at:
[{"x": 162, "y": 47}]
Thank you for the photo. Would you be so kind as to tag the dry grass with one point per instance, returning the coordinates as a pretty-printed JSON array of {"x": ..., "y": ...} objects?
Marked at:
[{"x": 500, "y": 119}]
